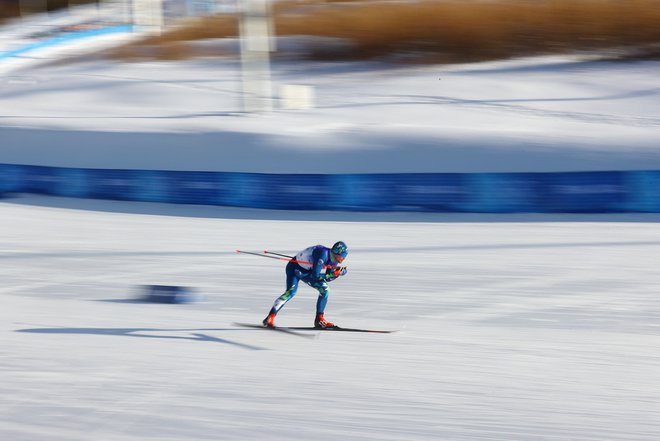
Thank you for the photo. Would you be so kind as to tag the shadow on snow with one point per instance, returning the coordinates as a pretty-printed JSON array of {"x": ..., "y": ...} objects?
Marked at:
[{"x": 139, "y": 332}]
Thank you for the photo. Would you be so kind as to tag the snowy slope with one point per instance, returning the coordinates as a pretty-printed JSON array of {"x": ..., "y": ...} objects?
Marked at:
[
  {"x": 528, "y": 115},
  {"x": 510, "y": 330}
]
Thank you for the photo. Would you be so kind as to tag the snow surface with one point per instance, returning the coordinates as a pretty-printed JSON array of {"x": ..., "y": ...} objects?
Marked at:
[
  {"x": 525, "y": 327},
  {"x": 510, "y": 328}
]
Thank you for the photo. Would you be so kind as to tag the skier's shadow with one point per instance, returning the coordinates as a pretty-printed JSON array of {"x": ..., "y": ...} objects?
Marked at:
[{"x": 139, "y": 332}]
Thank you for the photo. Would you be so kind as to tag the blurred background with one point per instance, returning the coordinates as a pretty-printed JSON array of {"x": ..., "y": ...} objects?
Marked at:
[
  {"x": 421, "y": 31},
  {"x": 493, "y": 167}
]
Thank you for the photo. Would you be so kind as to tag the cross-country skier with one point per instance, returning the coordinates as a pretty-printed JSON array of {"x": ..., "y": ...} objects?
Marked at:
[{"x": 316, "y": 266}]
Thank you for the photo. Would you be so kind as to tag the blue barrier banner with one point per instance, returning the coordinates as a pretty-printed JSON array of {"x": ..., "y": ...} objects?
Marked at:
[
  {"x": 112, "y": 184},
  {"x": 432, "y": 192},
  {"x": 11, "y": 177},
  {"x": 360, "y": 192},
  {"x": 644, "y": 187},
  {"x": 296, "y": 192},
  {"x": 583, "y": 192},
  {"x": 73, "y": 182},
  {"x": 151, "y": 186},
  {"x": 501, "y": 192},
  {"x": 42, "y": 180},
  {"x": 574, "y": 192},
  {"x": 281, "y": 192},
  {"x": 245, "y": 190},
  {"x": 203, "y": 188}
]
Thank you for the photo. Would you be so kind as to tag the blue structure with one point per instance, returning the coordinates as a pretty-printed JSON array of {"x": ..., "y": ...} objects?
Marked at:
[
  {"x": 562, "y": 192},
  {"x": 64, "y": 37},
  {"x": 168, "y": 294}
]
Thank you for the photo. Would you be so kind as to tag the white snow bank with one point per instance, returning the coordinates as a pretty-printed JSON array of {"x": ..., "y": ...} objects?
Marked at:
[{"x": 526, "y": 115}]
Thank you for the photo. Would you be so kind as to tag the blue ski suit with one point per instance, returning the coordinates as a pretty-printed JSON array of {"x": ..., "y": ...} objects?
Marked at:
[{"x": 315, "y": 267}]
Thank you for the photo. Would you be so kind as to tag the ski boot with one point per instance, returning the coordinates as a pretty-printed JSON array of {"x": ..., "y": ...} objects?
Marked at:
[
  {"x": 269, "y": 322},
  {"x": 321, "y": 323}
]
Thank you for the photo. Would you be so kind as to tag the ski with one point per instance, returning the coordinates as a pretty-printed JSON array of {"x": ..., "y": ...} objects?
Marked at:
[
  {"x": 301, "y": 330},
  {"x": 338, "y": 328},
  {"x": 284, "y": 330}
]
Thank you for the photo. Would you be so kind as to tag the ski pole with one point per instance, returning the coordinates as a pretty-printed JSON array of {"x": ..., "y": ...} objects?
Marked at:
[
  {"x": 278, "y": 254},
  {"x": 292, "y": 258},
  {"x": 257, "y": 254},
  {"x": 285, "y": 258}
]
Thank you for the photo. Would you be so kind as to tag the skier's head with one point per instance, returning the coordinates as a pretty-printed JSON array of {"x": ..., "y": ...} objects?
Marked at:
[{"x": 339, "y": 252}]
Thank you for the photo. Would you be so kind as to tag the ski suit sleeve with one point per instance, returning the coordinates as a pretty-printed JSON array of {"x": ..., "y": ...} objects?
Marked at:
[{"x": 319, "y": 256}]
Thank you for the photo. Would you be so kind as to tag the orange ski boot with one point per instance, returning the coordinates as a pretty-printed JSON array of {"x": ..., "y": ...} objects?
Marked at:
[
  {"x": 269, "y": 322},
  {"x": 321, "y": 323}
]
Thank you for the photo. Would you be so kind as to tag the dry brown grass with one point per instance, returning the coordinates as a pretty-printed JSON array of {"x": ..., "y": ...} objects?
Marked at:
[
  {"x": 450, "y": 30},
  {"x": 172, "y": 45},
  {"x": 8, "y": 9}
]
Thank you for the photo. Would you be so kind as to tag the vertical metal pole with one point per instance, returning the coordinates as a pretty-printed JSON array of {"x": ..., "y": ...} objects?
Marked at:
[
  {"x": 149, "y": 15},
  {"x": 256, "y": 44}
]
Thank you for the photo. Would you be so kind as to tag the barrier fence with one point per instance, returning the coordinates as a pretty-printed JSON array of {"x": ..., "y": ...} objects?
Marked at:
[
  {"x": 561, "y": 192},
  {"x": 62, "y": 37}
]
